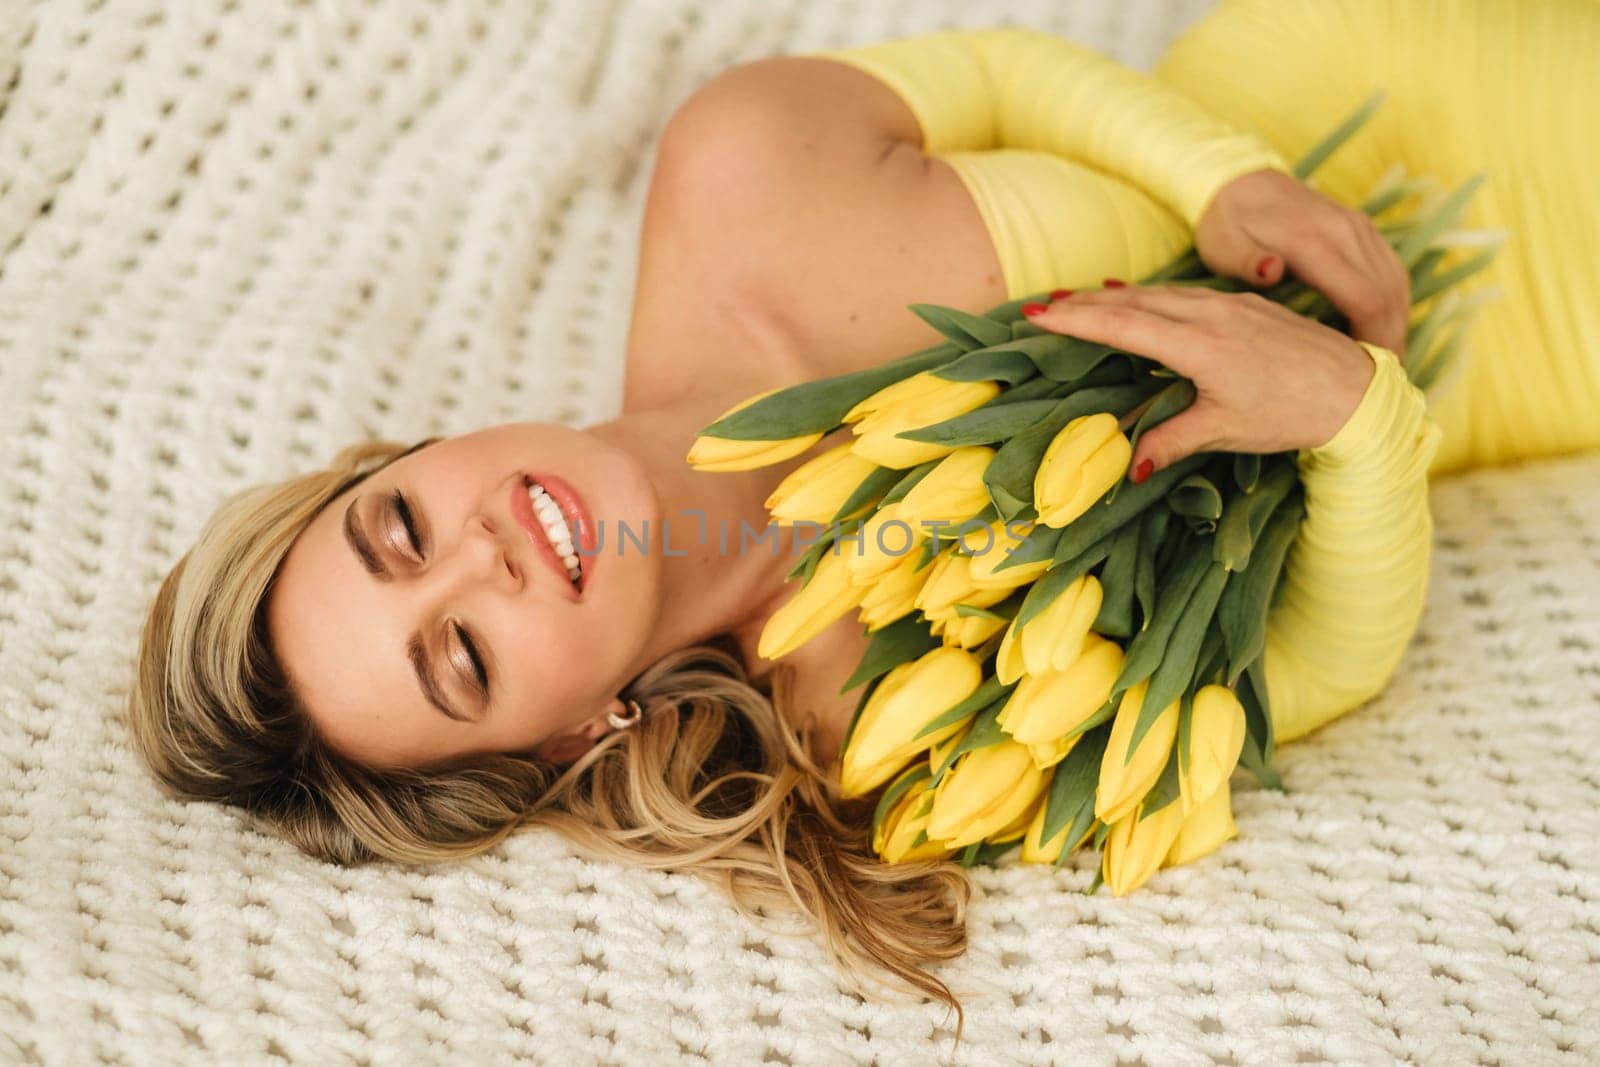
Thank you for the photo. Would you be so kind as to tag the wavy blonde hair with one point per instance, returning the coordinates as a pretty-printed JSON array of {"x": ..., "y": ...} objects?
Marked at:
[{"x": 712, "y": 780}]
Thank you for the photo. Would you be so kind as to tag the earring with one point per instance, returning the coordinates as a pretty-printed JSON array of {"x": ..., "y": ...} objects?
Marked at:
[{"x": 623, "y": 722}]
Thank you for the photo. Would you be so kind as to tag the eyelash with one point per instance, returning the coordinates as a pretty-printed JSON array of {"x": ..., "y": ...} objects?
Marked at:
[{"x": 399, "y": 505}]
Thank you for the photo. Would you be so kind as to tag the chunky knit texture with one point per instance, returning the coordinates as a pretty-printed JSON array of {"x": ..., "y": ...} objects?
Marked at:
[{"x": 235, "y": 236}]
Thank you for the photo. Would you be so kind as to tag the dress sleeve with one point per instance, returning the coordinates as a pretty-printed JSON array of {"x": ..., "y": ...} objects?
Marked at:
[
  {"x": 1356, "y": 576},
  {"x": 972, "y": 90}
]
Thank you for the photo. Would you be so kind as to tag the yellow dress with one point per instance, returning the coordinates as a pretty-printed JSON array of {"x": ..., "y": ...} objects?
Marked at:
[{"x": 1083, "y": 168}]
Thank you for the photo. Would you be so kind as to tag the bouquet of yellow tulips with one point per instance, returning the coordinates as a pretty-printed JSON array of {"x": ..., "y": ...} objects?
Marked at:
[{"x": 1056, "y": 656}]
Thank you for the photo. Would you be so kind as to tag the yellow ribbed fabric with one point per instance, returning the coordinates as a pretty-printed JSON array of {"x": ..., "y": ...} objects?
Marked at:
[{"x": 1082, "y": 168}]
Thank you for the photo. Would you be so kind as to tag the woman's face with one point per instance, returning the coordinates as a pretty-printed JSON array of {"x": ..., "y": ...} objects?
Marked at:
[{"x": 373, "y": 655}]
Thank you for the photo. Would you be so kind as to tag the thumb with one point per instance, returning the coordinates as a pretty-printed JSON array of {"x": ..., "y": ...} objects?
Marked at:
[{"x": 1167, "y": 442}]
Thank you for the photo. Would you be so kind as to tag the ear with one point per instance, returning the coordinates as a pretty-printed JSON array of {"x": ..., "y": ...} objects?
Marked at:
[{"x": 569, "y": 746}]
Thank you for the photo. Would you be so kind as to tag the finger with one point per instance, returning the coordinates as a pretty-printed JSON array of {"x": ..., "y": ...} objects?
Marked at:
[
  {"x": 1122, "y": 324},
  {"x": 1167, "y": 442},
  {"x": 1174, "y": 301},
  {"x": 1339, "y": 269},
  {"x": 1397, "y": 283}
]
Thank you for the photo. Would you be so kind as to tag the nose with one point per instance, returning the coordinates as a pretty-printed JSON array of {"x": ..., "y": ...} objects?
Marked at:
[{"x": 479, "y": 557}]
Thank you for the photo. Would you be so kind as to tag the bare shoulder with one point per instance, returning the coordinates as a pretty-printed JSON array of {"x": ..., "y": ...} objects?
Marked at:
[{"x": 793, "y": 193}]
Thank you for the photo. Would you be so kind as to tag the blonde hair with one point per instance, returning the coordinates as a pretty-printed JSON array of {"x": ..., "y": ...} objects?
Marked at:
[{"x": 712, "y": 780}]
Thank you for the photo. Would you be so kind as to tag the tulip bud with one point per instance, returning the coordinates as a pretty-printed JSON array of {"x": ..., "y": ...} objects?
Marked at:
[
  {"x": 821, "y": 602},
  {"x": 984, "y": 791},
  {"x": 918, "y": 401},
  {"x": 818, "y": 488},
  {"x": 1019, "y": 826},
  {"x": 949, "y": 583},
  {"x": 1216, "y": 738},
  {"x": 905, "y": 823},
  {"x": 951, "y": 492},
  {"x": 1046, "y": 706},
  {"x": 910, "y": 697},
  {"x": 1055, "y": 637},
  {"x": 969, "y": 631},
  {"x": 710, "y": 453},
  {"x": 885, "y": 540},
  {"x": 892, "y": 596},
  {"x": 1123, "y": 782},
  {"x": 1037, "y": 851},
  {"x": 1205, "y": 828},
  {"x": 1136, "y": 846},
  {"x": 938, "y": 753},
  {"x": 1083, "y": 461},
  {"x": 989, "y": 551}
]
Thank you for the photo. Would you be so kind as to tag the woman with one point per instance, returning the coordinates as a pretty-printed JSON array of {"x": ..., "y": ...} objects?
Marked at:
[{"x": 418, "y": 651}]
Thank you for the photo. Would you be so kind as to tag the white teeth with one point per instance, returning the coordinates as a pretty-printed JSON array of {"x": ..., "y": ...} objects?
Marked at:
[{"x": 556, "y": 528}]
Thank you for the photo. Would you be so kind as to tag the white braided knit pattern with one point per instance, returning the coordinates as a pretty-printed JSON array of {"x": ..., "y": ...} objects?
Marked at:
[{"x": 234, "y": 236}]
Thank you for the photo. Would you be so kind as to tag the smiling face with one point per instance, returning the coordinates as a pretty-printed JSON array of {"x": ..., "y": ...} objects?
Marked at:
[{"x": 480, "y": 591}]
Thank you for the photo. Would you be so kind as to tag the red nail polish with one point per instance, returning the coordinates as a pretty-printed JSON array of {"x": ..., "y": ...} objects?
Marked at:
[
  {"x": 1114, "y": 283},
  {"x": 1264, "y": 268},
  {"x": 1060, "y": 294},
  {"x": 1035, "y": 309},
  {"x": 1142, "y": 471}
]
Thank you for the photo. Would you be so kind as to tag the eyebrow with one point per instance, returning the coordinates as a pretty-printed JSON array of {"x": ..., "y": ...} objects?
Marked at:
[{"x": 356, "y": 537}]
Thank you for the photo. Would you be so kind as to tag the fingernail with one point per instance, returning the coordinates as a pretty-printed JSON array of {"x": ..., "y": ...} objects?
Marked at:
[
  {"x": 1060, "y": 294},
  {"x": 1035, "y": 309},
  {"x": 1142, "y": 471},
  {"x": 1264, "y": 268},
  {"x": 1114, "y": 283}
]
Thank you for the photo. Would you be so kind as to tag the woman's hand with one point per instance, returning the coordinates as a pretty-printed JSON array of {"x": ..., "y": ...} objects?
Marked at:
[
  {"x": 1266, "y": 379},
  {"x": 1268, "y": 218}
]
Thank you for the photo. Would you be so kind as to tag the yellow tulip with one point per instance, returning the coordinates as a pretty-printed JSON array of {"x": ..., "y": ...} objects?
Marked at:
[
  {"x": 969, "y": 631},
  {"x": 1046, "y": 706},
  {"x": 881, "y": 544},
  {"x": 1123, "y": 783},
  {"x": 1053, "y": 638},
  {"x": 710, "y": 453},
  {"x": 880, "y": 832},
  {"x": 989, "y": 551},
  {"x": 1135, "y": 847},
  {"x": 1036, "y": 851},
  {"x": 950, "y": 583},
  {"x": 911, "y": 404},
  {"x": 905, "y": 823},
  {"x": 1081, "y": 464},
  {"x": 823, "y": 600},
  {"x": 1019, "y": 825},
  {"x": 951, "y": 492},
  {"x": 1216, "y": 737},
  {"x": 983, "y": 791},
  {"x": 818, "y": 488},
  {"x": 1204, "y": 828},
  {"x": 1047, "y": 754},
  {"x": 857, "y": 780},
  {"x": 893, "y": 595},
  {"x": 910, "y": 697}
]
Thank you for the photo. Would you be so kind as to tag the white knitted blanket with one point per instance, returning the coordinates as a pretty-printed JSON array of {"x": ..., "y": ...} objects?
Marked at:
[{"x": 236, "y": 235}]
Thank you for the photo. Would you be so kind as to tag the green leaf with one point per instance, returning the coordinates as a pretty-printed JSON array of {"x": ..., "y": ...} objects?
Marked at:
[
  {"x": 967, "y": 330},
  {"x": 1070, "y": 801},
  {"x": 1000, "y": 363},
  {"x": 820, "y": 406},
  {"x": 1176, "y": 671},
  {"x": 1246, "y": 469},
  {"x": 899, "y": 642},
  {"x": 1436, "y": 283},
  {"x": 1415, "y": 243},
  {"x": 1172, "y": 399},
  {"x": 1068, "y": 359},
  {"x": 1152, "y": 530},
  {"x": 1324, "y": 148},
  {"x": 872, "y": 487},
  {"x": 1164, "y": 792},
  {"x": 1259, "y": 741},
  {"x": 1038, "y": 545},
  {"x": 982, "y": 426},
  {"x": 1246, "y": 601},
  {"x": 1115, "y": 618},
  {"x": 1185, "y": 729},
  {"x": 1247, "y": 512},
  {"x": 1196, "y": 497},
  {"x": 907, "y": 481},
  {"x": 1054, "y": 582},
  {"x": 1177, "y": 586}
]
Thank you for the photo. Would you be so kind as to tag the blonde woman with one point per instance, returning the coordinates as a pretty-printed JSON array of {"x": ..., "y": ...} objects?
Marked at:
[{"x": 417, "y": 651}]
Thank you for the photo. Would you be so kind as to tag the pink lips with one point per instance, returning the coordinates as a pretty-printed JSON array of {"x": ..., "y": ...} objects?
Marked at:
[{"x": 522, "y": 512}]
